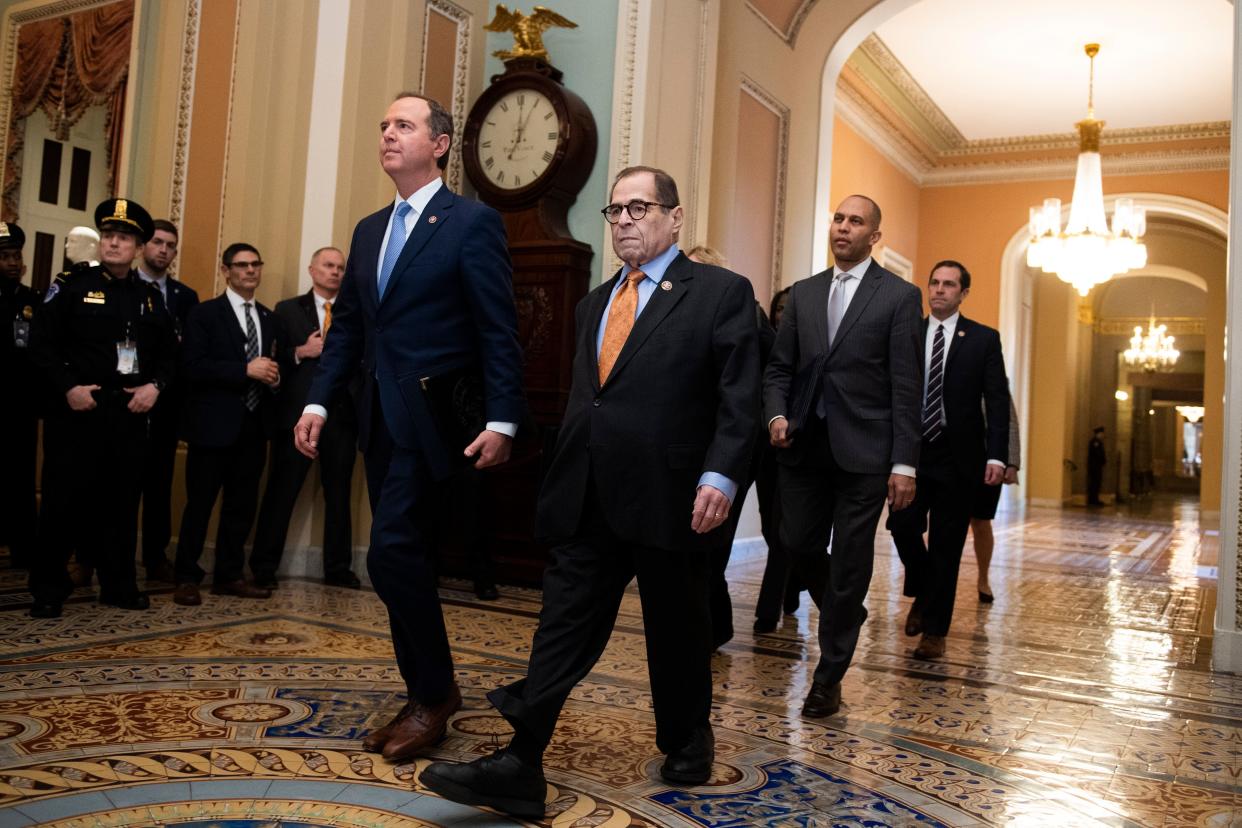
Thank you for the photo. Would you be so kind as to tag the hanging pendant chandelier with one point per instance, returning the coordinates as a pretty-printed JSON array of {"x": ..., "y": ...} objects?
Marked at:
[
  {"x": 1152, "y": 351},
  {"x": 1087, "y": 252}
]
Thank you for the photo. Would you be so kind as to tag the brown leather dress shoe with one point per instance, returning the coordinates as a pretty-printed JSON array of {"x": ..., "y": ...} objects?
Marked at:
[
  {"x": 187, "y": 595},
  {"x": 240, "y": 589},
  {"x": 374, "y": 741},
  {"x": 423, "y": 727},
  {"x": 930, "y": 646}
]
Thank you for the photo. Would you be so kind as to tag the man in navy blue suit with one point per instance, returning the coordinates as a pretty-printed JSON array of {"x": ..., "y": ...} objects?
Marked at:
[{"x": 427, "y": 296}]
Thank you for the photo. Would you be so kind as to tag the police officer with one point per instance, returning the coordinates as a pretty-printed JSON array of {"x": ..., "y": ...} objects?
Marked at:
[
  {"x": 106, "y": 344},
  {"x": 19, "y": 414}
]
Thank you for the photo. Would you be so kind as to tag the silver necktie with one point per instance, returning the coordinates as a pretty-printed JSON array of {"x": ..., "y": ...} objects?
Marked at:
[{"x": 836, "y": 304}]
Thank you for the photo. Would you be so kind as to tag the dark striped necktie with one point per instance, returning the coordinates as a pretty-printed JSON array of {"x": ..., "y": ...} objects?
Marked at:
[
  {"x": 933, "y": 402},
  {"x": 252, "y": 352}
]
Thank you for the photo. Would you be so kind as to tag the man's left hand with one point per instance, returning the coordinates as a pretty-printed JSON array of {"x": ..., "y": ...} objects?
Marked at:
[
  {"x": 711, "y": 509},
  {"x": 492, "y": 448},
  {"x": 900, "y": 491},
  {"x": 144, "y": 398},
  {"x": 993, "y": 475}
]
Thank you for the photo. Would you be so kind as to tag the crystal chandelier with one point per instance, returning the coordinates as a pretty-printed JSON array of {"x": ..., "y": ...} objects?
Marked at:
[
  {"x": 1086, "y": 252},
  {"x": 1152, "y": 351}
]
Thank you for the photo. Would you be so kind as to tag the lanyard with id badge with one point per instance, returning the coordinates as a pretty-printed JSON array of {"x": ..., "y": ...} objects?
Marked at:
[{"x": 127, "y": 354}]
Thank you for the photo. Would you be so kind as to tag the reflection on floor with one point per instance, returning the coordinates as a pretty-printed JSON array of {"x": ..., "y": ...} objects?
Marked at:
[{"x": 1081, "y": 697}]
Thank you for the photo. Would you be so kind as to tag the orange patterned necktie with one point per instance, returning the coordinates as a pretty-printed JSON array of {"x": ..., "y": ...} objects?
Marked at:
[
  {"x": 327, "y": 317},
  {"x": 620, "y": 322}
]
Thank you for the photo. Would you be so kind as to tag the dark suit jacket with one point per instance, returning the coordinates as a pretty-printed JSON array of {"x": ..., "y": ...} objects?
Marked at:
[
  {"x": 213, "y": 359},
  {"x": 181, "y": 300},
  {"x": 682, "y": 399},
  {"x": 169, "y": 408},
  {"x": 299, "y": 319},
  {"x": 872, "y": 377},
  {"x": 449, "y": 305},
  {"x": 974, "y": 372}
]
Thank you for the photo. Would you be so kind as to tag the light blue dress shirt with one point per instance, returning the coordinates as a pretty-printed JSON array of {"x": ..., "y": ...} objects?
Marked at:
[{"x": 654, "y": 271}]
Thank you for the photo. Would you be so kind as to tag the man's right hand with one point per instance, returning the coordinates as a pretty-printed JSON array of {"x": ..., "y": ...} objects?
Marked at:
[
  {"x": 79, "y": 397},
  {"x": 306, "y": 434},
  {"x": 777, "y": 431},
  {"x": 264, "y": 370},
  {"x": 311, "y": 348}
]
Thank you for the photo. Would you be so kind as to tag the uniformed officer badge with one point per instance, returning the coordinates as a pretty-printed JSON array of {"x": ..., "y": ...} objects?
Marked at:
[
  {"x": 119, "y": 210},
  {"x": 431, "y": 219},
  {"x": 27, "y": 313},
  {"x": 95, "y": 297},
  {"x": 666, "y": 285},
  {"x": 4, "y": 230}
]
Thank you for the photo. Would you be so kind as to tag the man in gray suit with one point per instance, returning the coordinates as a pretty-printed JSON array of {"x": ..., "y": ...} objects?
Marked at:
[{"x": 841, "y": 396}]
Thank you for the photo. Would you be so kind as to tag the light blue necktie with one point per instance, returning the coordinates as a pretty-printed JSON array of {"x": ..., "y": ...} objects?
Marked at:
[{"x": 396, "y": 241}]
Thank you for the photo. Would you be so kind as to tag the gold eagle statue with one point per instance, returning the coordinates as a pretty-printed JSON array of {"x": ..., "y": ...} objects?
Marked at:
[{"x": 527, "y": 31}]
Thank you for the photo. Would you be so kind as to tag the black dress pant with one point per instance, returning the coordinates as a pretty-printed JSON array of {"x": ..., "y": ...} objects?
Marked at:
[
  {"x": 776, "y": 585},
  {"x": 338, "y": 448},
  {"x": 92, "y": 479},
  {"x": 157, "y": 482},
  {"x": 401, "y": 562},
  {"x": 582, "y": 590},
  {"x": 942, "y": 504},
  {"x": 209, "y": 470},
  {"x": 821, "y": 502},
  {"x": 18, "y": 510}
]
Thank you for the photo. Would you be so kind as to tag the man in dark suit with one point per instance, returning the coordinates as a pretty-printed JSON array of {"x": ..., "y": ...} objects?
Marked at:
[
  {"x": 965, "y": 427},
  {"x": 841, "y": 395},
  {"x": 306, "y": 320},
  {"x": 157, "y": 474},
  {"x": 658, "y": 431},
  {"x": 229, "y": 360},
  {"x": 19, "y": 417},
  {"x": 426, "y": 306}
]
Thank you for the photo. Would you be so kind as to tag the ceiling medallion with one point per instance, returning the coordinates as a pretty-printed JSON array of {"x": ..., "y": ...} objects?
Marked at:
[{"x": 1086, "y": 253}]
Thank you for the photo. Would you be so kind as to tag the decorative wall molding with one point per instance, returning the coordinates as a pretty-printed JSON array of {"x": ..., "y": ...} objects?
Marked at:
[
  {"x": 461, "y": 77},
  {"x": 952, "y": 162},
  {"x": 216, "y": 287},
  {"x": 789, "y": 34},
  {"x": 696, "y": 148},
  {"x": 185, "y": 111},
  {"x": 628, "y": 100},
  {"x": 770, "y": 102},
  {"x": 893, "y": 261},
  {"x": 1125, "y": 325}
]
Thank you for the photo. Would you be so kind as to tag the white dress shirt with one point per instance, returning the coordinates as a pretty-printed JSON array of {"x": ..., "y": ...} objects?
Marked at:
[{"x": 239, "y": 310}]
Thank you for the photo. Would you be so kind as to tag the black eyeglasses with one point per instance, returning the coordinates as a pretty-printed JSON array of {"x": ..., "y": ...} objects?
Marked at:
[
  {"x": 244, "y": 265},
  {"x": 636, "y": 209}
]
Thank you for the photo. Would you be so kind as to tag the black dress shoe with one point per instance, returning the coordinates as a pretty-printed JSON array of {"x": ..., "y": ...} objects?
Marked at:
[
  {"x": 45, "y": 609},
  {"x": 763, "y": 627},
  {"x": 501, "y": 781},
  {"x": 486, "y": 591},
  {"x": 128, "y": 602},
  {"x": 692, "y": 764},
  {"x": 986, "y": 598},
  {"x": 914, "y": 621},
  {"x": 823, "y": 700},
  {"x": 345, "y": 579}
]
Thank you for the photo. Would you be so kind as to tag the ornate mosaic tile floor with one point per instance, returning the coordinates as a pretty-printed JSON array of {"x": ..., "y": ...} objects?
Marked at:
[{"x": 1082, "y": 697}]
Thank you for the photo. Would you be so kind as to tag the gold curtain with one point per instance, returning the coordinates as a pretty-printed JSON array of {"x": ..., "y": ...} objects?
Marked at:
[{"x": 65, "y": 66}]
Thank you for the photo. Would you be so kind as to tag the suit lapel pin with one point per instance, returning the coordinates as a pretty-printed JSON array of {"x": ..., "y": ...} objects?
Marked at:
[
  {"x": 431, "y": 219},
  {"x": 666, "y": 285},
  {"x": 961, "y": 333}
]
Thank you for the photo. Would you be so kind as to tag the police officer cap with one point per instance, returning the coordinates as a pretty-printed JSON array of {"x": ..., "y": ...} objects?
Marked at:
[
  {"x": 126, "y": 216},
  {"x": 11, "y": 236}
]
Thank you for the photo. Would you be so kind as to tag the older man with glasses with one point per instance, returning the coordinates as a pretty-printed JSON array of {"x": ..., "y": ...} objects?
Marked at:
[{"x": 658, "y": 431}]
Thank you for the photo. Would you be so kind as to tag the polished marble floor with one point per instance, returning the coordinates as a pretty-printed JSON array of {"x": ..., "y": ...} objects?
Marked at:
[{"x": 1082, "y": 697}]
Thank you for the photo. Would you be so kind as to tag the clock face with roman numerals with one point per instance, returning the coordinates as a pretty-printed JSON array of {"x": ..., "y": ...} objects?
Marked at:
[{"x": 517, "y": 139}]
